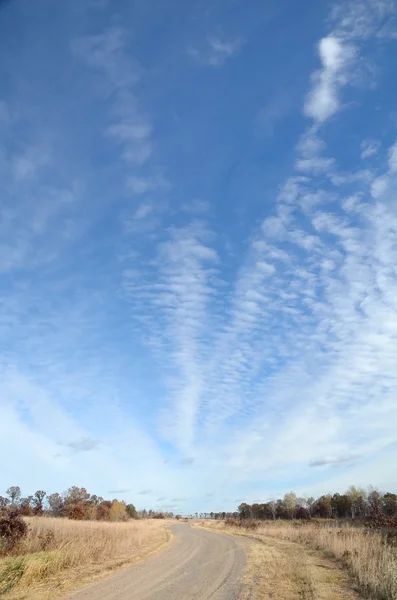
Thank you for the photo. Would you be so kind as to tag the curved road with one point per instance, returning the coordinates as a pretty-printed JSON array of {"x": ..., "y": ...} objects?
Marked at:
[{"x": 199, "y": 565}]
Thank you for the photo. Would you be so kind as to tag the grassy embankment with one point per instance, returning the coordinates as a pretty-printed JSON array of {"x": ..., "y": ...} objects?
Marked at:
[
  {"x": 60, "y": 554},
  {"x": 314, "y": 561}
]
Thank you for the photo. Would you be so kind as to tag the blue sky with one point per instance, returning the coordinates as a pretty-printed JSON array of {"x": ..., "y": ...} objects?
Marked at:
[{"x": 198, "y": 248}]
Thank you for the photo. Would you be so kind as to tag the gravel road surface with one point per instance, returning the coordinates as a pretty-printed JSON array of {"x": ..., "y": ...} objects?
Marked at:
[{"x": 198, "y": 565}]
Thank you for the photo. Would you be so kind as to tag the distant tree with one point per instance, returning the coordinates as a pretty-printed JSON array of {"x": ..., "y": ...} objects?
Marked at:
[
  {"x": 310, "y": 504},
  {"x": 307, "y": 505},
  {"x": 341, "y": 505},
  {"x": 131, "y": 511},
  {"x": 25, "y": 506},
  {"x": 56, "y": 504},
  {"x": 4, "y": 502},
  {"x": 37, "y": 502},
  {"x": 290, "y": 503},
  {"x": 118, "y": 511},
  {"x": 75, "y": 495},
  {"x": 281, "y": 510},
  {"x": 323, "y": 506},
  {"x": 357, "y": 498},
  {"x": 266, "y": 511},
  {"x": 178, "y": 517},
  {"x": 76, "y": 503},
  {"x": 301, "y": 513},
  {"x": 245, "y": 510},
  {"x": 389, "y": 503},
  {"x": 272, "y": 504},
  {"x": 95, "y": 500},
  {"x": 103, "y": 510},
  {"x": 374, "y": 500},
  {"x": 14, "y": 493}
]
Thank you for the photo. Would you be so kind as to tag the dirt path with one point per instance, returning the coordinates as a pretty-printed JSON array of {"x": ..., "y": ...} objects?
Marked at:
[
  {"x": 199, "y": 565},
  {"x": 279, "y": 569}
]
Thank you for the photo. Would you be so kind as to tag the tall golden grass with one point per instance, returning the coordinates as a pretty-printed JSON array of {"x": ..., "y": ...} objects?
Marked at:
[
  {"x": 372, "y": 561},
  {"x": 58, "y": 553}
]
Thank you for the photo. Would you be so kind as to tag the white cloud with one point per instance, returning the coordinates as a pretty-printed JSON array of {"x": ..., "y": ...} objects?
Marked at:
[
  {"x": 393, "y": 159},
  {"x": 216, "y": 51},
  {"x": 142, "y": 185},
  {"x": 336, "y": 57},
  {"x": 316, "y": 164},
  {"x": 275, "y": 110},
  {"x": 369, "y": 148},
  {"x": 379, "y": 186},
  {"x": 310, "y": 159},
  {"x": 223, "y": 50},
  {"x": 244, "y": 366},
  {"x": 38, "y": 201},
  {"x": 197, "y": 206},
  {"x": 31, "y": 161},
  {"x": 382, "y": 184},
  {"x": 129, "y": 126},
  {"x": 143, "y": 211},
  {"x": 366, "y": 19},
  {"x": 180, "y": 301},
  {"x": 265, "y": 268}
]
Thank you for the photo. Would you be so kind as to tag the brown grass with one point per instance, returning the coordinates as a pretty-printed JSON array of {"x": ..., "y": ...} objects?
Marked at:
[
  {"x": 59, "y": 554},
  {"x": 366, "y": 555},
  {"x": 280, "y": 570}
]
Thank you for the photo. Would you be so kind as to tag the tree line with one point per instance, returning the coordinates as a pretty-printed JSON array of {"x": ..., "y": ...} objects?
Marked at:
[
  {"x": 355, "y": 503},
  {"x": 75, "y": 503}
]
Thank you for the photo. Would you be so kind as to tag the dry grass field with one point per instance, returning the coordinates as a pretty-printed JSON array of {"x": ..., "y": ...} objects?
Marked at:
[
  {"x": 59, "y": 554},
  {"x": 312, "y": 561}
]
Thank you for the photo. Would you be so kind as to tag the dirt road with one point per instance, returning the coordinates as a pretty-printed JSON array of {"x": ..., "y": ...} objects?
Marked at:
[{"x": 199, "y": 565}]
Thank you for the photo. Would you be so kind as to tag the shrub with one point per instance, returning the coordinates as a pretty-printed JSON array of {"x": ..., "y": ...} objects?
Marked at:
[
  {"x": 302, "y": 513},
  {"x": 77, "y": 512},
  {"x": 378, "y": 520},
  {"x": 249, "y": 524},
  {"x": 103, "y": 511},
  {"x": 13, "y": 530}
]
